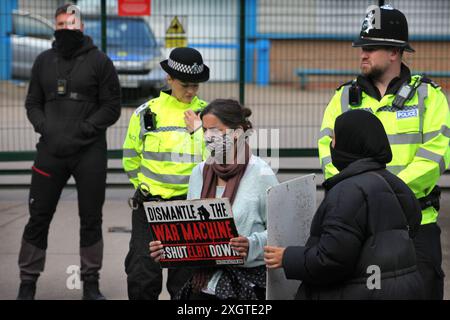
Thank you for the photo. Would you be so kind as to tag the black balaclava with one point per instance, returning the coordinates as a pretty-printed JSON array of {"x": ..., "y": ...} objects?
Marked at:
[
  {"x": 68, "y": 41},
  {"x": 359, "y": 134}
]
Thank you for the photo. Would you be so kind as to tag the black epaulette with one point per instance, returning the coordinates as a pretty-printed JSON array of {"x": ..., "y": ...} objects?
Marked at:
[
  {"x": 428, "y": 80},
  {"x": 344, "y": 84}
]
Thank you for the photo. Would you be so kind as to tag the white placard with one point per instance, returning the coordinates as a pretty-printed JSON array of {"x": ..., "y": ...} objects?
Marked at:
[{"x": 290, "y": 208}]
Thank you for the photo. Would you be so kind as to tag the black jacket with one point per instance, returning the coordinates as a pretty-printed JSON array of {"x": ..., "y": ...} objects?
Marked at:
[
  {"x": 92, "y": 103},
  {"x": 364, "y": 220}
]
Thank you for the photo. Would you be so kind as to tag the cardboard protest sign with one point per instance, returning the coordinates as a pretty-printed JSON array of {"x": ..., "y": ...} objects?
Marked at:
[
  {"x": 194, "y": 233},
  {"x": 290, "y": 209}
]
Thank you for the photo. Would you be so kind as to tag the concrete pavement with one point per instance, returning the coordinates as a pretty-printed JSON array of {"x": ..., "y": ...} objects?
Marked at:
[{"x": 63, "y": 244}]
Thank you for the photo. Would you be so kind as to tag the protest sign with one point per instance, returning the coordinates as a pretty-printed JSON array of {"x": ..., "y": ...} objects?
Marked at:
[
  {"x": 194, "y": 233},
  {"x": 290, "y": 208}
]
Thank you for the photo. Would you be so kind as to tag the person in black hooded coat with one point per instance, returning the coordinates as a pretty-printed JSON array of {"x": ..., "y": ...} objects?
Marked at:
[
  {"x": 73, "y": 97},
  {"x": 360, "y": 244}
]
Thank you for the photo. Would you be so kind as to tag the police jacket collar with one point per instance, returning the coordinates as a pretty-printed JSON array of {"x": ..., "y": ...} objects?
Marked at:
[
  {"x": 368, "y": 86},
  {"x": 353, "y": 169},
  {"x": 169, "y": 99}
]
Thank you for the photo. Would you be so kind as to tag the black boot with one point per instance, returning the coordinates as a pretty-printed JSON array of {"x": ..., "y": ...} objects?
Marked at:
[
  {"x": 27, "y": 290},
  {"x": 91, "y": 291}
]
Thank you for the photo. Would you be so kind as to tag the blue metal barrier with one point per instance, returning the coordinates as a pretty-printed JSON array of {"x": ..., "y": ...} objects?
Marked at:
[{"x": 6, "y": 9}]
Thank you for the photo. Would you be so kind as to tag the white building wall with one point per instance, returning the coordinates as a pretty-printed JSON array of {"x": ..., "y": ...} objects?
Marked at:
[{"x": 344, "y": 17}]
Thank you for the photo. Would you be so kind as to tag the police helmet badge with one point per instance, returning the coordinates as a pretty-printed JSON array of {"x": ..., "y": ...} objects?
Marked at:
[
  {"x": 196, "y": 68},
  {"x": 372, "y": 19}
]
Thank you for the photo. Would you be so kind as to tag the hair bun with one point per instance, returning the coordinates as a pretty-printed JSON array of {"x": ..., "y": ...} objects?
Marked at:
[{"x": 246, "y": 112}]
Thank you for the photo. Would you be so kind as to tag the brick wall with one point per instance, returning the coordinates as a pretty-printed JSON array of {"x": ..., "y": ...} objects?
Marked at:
[{"x": 288, "y": 55}]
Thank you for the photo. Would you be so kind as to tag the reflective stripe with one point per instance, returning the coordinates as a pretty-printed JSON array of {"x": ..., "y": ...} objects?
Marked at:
[
  {"x": 132, "y": 173},
  {"x": 172, "y": 157},
  {"x": 345, "y": 99},
  {"x": 430, "y": 135},
  {"x": 433, "y": 157},
  {"x": 404, "y": 138},
  {"x": 445, "y": 131},
  {"x": 130, "y": 153},
  {"x": 162, "y": 129},
  {"x": 422, "y": 92},
  {"x": 395, "y": 169},
  {"x": 165, "y": 178},
  {"x": 325, "y": 160},
  {"x": 142, "y": 123},
  {"x": 326, "y": 132}
]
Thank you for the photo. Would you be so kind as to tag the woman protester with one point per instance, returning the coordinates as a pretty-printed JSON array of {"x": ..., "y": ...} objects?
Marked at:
[
  {"x": 360, "y": 244},
  {"x": 231, "y": 171}
]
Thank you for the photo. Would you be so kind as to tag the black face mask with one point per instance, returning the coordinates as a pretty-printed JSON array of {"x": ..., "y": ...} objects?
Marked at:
[
  {"x": 68, "y": 41},
  {"x": 342, "y": 159}
]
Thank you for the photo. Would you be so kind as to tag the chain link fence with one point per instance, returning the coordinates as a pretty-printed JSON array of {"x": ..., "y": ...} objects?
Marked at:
[{"x": 281, "y": 58}]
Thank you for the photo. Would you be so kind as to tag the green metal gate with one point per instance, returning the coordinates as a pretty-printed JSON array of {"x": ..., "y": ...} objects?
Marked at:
[{"x": 281, "y": 58}]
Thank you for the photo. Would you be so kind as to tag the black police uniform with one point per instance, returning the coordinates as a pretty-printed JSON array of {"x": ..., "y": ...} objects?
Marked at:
[
  {"x": 70, "y": 102},
  {"x": 144, "y": 274}
]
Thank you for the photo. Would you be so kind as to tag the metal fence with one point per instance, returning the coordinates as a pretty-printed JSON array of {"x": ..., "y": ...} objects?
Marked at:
[{"x": 281, "y": 58}]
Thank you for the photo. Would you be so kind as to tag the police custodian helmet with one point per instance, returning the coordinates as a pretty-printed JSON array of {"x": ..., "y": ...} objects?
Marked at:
[{"x": 384, "y": 26}]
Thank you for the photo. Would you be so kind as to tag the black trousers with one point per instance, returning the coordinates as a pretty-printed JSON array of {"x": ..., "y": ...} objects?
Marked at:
[
  {"x": 144, "y": 276},
  {"x": 429, "y": 260},
  {"x": 49, "y": 176}
]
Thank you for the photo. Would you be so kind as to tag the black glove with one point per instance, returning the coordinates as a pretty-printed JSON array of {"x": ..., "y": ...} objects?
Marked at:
[{"x": 432, "y": 200}]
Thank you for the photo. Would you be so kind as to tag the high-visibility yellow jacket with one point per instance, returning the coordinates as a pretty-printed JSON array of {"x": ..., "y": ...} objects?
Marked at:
[
  {"x": 162, "y": 159},
  {"x": 418, "y": 133}
]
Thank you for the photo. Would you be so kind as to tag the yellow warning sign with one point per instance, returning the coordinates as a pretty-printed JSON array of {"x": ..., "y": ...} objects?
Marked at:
[
  {"x": 175, "y": 34},
  {"x": 175, "y": 27},
  {"x": 175, "y": 42}
]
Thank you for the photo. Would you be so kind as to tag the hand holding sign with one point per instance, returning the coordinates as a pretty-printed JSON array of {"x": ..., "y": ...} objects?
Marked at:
[
  {"x": 240, "y": 244},
  {"x": 273, "y": 256},
  {"x": 156, "y": 250},
  {"x": 194, "y": 233}
]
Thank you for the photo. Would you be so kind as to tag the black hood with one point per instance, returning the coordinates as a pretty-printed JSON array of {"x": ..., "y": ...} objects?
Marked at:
[
  {"x": 359, "y": 135},
  {"x": 86, "y": 46},
  {"x": 353, "y": 169}
]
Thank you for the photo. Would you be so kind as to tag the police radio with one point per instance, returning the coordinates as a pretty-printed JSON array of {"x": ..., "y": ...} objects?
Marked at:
[
  {"x": 405, "y": 93},
  {"x": 149, "y": 120}
]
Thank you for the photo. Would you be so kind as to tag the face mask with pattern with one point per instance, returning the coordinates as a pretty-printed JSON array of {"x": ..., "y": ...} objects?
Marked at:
[{"x": 219, "y": 145}]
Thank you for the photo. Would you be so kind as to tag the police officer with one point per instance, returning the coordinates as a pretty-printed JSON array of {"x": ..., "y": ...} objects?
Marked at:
[
  {"x": 73, "y": 97},
  {"x": 164, "y": 142},
  {"x": 415, "y": 115}
]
